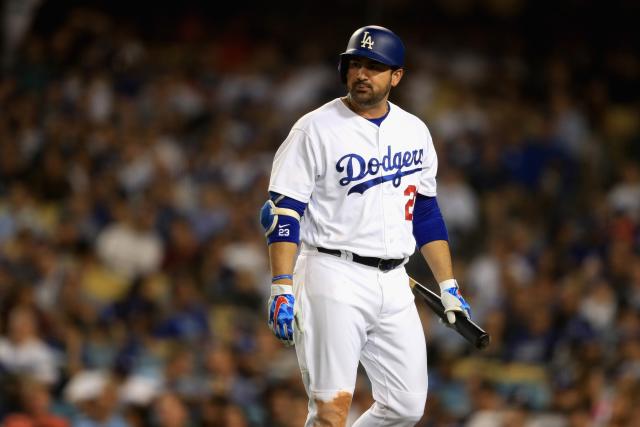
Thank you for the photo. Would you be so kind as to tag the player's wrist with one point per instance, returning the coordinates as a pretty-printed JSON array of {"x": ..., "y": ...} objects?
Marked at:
[
  {"x": 447, "y": 284},
  {"x": 281, "y": 288},
  {"x": 282, "y": 279}
]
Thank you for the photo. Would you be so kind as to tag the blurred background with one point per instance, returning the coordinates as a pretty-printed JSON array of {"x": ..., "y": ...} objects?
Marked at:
[{"x": 136, "y": 142}]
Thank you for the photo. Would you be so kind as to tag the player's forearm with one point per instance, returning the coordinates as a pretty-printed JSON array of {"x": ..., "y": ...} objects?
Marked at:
[
  {"x": 438, "y": 257},
  {"x": 282, "y": 257}
]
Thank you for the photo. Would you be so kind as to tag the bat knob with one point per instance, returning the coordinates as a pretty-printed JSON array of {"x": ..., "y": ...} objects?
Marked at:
[{"x": 483, "y": 341}]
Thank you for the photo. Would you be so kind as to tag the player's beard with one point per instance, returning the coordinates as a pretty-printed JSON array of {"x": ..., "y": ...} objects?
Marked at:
[{"x": 370, "y": 97}]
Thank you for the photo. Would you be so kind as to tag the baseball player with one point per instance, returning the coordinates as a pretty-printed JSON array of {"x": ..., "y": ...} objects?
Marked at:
[{"x": 352, "y": 192}]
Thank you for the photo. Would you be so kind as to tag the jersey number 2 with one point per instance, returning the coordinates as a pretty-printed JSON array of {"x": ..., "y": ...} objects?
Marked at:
[{"x": 408, "y": 208}]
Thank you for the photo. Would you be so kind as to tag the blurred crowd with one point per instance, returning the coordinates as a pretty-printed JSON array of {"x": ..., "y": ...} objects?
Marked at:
[{"x": 133, "y": 269}]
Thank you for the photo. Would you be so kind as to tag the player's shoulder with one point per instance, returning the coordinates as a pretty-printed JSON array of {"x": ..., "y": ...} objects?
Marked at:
[
  {"x": 403, "y": 115},
  {"x": 325, "y": 115},
  {"x": 408, "y": 120}
]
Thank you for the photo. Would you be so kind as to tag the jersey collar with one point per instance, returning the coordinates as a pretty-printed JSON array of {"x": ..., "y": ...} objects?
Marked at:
[{"x": 344, "y": 106}]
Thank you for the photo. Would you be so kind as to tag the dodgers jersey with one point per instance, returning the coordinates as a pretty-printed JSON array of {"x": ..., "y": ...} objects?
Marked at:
[{"x": 359, "y": 180}]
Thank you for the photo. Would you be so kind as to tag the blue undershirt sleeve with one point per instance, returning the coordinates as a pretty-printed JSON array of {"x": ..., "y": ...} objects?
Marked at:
[
  {"x": 428, "y": 223},
  {"x": 287, "y": 202}
]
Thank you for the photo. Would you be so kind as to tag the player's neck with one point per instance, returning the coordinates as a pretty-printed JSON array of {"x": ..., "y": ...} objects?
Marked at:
[{"x": 367, "y": 111}]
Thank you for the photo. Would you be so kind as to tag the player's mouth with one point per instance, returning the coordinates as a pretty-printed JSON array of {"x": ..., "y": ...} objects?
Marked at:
[{"x": 362, "y": 87}]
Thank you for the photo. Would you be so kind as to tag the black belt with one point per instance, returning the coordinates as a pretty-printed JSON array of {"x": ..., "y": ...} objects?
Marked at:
[{"x": 379, "y": 263}]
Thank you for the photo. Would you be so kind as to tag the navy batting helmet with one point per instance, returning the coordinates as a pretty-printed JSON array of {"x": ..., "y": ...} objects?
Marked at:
[{"x": 376, "y": 43}]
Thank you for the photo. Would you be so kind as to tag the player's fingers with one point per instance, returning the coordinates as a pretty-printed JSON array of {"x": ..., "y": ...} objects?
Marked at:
[
  {"x": 467, "y": 310},
  {"x": 288, "y": 335},
  {"x": 290, "y": 329},
  {"x": 276, "y": 333},
  {"x": 284, "y": 335},
  {"x": 281, "y": 332},
  {"x": 451, "y": 317}
]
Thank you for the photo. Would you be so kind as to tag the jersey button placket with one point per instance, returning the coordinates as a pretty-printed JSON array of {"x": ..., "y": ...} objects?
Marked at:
[{"x": 385, "y": 189}]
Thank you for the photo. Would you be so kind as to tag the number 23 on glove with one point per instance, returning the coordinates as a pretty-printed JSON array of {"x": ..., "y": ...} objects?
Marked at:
[{"x": 281, "y": 312}]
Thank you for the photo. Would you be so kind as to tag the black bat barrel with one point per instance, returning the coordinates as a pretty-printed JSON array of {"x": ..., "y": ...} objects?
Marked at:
[{"x": 465, "y": 327}]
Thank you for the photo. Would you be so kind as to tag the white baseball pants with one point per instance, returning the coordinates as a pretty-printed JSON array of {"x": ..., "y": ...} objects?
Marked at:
[{"x": 350, "y": 313}]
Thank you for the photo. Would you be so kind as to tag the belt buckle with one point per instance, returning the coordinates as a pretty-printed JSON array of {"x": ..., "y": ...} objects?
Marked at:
[{"x": 385, "y": 265}]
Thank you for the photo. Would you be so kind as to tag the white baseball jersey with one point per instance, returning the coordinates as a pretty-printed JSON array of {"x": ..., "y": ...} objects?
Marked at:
[{"x": 360, "y": 180}]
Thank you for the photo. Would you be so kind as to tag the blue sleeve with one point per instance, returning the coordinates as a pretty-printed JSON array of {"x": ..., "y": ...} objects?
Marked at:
[
  {"x": 287, "y": 202},
  {"x": 428, "y": 224}
]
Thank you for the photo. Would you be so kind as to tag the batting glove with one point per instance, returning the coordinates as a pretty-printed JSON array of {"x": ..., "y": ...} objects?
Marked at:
[
  {"x": 452, "y": 300},
  {"x": 281, "y": 312}
]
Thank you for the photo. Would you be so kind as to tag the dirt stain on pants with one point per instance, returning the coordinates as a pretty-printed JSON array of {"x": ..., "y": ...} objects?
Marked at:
[{"x": 334, "y": 412}]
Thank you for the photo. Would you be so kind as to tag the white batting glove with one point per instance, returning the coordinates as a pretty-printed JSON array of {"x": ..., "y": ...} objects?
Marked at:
[{"x": 452, "y": 300}]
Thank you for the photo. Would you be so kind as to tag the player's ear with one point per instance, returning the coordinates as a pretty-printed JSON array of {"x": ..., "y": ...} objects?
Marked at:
[{"x": 396, "y": 76}]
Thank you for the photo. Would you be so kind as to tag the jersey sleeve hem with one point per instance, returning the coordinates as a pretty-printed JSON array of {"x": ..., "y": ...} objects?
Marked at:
[{"x": 292, "y": 194}]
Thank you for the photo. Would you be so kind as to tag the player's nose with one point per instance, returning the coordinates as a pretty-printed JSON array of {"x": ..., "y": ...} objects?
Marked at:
[{"x": 361, "y": 73}]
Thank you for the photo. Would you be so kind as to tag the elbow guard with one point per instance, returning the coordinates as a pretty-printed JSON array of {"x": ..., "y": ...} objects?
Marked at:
[{"x": 280, "y": 224}]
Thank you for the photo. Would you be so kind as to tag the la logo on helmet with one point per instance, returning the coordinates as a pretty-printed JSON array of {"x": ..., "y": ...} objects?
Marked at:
[{"x": 367, "y": 41}]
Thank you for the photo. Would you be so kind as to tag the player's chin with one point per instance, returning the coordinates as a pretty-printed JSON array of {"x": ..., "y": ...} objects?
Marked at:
[{"x": 362, "y": 97}]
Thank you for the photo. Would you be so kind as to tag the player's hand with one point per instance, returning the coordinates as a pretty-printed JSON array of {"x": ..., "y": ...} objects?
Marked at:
[
  {"x": 281, "y": 312},
  {"x": 452, "y": 300}
]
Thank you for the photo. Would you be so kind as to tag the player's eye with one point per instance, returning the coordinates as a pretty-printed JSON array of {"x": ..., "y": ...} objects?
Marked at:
[{"x": 376, "y": 66}]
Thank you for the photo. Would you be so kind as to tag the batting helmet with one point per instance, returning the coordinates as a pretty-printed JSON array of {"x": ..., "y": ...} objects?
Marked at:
[{"x": 376, "y": 43}]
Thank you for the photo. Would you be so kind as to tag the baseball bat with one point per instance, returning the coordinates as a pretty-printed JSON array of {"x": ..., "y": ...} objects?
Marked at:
[{"x": 464, "y": 326}]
